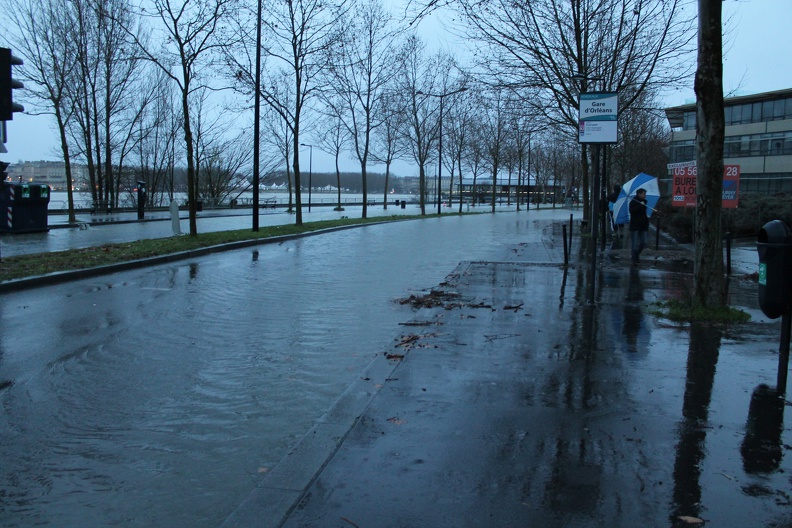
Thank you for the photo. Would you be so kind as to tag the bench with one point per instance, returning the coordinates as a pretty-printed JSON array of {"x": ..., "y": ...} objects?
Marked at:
[{"x": 269, "y": 202}]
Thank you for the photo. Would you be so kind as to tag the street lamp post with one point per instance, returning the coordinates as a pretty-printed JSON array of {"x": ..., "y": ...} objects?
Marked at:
[
  {"x": 440, "y": 143},
  {"x": 257, "y": 123},
  {"x": 310, "y": 174}
]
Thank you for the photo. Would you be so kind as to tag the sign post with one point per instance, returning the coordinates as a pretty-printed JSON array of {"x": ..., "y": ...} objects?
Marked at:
[
  {"x": 597, "y": 124},
  {"x": 598, "y": 117}
]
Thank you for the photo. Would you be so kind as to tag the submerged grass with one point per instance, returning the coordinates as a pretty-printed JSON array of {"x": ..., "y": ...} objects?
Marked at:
[
  {"x": 21, "y": 266},
  {"x": 689, "y": 311}
]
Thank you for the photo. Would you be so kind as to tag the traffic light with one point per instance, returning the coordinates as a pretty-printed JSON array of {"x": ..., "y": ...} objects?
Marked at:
[{"x": 8, "y": 84}]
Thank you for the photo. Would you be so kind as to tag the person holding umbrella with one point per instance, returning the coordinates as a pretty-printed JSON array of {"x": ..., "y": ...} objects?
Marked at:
[{"x": 639, "y": 223}]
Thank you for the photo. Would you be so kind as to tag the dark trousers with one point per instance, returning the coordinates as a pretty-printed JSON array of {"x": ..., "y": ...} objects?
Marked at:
[{"x": 638, "y": 243}]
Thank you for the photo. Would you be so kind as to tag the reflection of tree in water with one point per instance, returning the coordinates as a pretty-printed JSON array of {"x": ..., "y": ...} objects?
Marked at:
[
  {"x": 702, "y": 360},
  {"x": 573, "y": 487}
]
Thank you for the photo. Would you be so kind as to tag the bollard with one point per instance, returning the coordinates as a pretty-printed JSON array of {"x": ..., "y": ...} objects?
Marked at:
[
  {"x": 566, "y": 252},
  {"x": 175, "y": 223},
  {"x": 657, "y": 235}
]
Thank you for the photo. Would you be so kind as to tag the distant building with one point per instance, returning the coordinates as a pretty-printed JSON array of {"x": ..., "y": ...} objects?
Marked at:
[
  {"x": 52, "y": 173},
  {"x": 758, "y": 139}
]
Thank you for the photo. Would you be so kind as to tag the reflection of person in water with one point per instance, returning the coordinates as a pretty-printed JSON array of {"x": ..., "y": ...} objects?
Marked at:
[
  {"x": 633, "y": 327},
  {"x": 639, "y": 223}
]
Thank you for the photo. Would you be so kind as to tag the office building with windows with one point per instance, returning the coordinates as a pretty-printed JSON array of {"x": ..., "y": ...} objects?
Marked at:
[{"x": 758, "y": 139}]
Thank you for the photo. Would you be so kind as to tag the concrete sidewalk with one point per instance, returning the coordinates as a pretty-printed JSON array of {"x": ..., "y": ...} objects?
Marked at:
[{"x": 506, "y": 400}]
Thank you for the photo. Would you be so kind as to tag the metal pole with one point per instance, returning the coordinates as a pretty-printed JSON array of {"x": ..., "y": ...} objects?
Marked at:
[
  {"x": 728, "y": 252},
  {"x": 440, "y": 156},
  {"x": 594, "y": 225},
  {"x": 657, "y": 235},
  {"x": 257, "y": 122},
  {"x": 783, "y": 352},
  {"x": 310, "y": 177},
  {"x": 603, "y": 199}
]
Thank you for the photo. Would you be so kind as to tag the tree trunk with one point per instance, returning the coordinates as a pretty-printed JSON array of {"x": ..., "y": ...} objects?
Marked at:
[
  {"x": 387, "y": 179},
  {"x": 338, "y": 182},
  {"x": 494, "y": 184},
  {"x": 188, "y": 143},
  {"x": 422, "y": 190},
  {"x": 708, "y": 279}
]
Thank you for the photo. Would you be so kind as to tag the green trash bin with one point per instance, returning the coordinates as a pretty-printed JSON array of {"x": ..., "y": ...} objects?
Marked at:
[{"x": 24, "y": 207}]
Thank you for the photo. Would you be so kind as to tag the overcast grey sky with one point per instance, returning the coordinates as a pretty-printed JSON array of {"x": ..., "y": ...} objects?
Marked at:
[{"x": 757, "y": 58}]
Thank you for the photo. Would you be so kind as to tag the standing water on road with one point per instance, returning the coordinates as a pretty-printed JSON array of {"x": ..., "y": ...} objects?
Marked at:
[{"x": 157, "y": 397}]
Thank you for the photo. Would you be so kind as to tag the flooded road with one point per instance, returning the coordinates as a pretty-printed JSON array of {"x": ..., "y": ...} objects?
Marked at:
[{"x": 158, "y": 397}]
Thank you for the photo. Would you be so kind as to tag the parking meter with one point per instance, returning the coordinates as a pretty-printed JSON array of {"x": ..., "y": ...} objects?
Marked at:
[
  {"x": 774, "y": 244},
  {"x": 141, "y": 198}
]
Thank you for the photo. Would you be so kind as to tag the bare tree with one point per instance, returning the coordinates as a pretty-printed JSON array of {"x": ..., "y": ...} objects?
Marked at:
[
  {"x": 108, "y": 71},
  {"x": 475, "y": 154},
  {"x": 457, "y": 132},
  {"x": 190, "y": 41},
  {"x": 386, "y": 146},
  {"x": 539, "y": 45},
  {"x": 333, "y": 139},
  {"x": 46, "y": 41},
  {"x": 280, "y": 137},
  {"x": 220, "y": 153},
  {"x": 419, "y": 76},
  {"x": 643, "y": 137},
  {"x": 359, "y": 71},
  {"x": 540, "y": 166},
  {"x": 708, "y": 281},
  {"x": 496, "y": 131},
  {"x": 300, "y": 34},
  {"x": 156, "y": 138}
]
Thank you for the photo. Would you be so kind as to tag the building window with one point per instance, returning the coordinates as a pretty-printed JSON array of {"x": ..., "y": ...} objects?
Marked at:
[
  {"x": 683, "y": 151},
  {"x": 689, "y": 121}
]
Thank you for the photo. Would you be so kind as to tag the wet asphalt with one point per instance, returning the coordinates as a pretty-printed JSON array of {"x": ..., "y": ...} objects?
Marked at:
[{"x": 508, "y": 400}]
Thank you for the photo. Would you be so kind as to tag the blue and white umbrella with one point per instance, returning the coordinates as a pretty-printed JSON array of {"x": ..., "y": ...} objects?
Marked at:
[{"x": 621, "y": 210}]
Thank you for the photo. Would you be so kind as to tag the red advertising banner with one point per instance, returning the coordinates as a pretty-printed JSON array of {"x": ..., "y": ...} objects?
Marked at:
[{"x": 683, "y": 190}]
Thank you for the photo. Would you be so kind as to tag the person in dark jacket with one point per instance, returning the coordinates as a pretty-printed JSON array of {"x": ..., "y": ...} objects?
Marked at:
[{"x": 639, "y": 223}]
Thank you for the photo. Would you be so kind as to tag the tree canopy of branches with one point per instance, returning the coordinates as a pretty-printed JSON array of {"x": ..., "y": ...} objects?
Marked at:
[
  {"x": 47, "y": 41},
  {"x": 189, "y": 31},
  {"x": 360, "y": 70},
  {"x": 299, "y": 36},
  {"x": 631, "y": 46}
]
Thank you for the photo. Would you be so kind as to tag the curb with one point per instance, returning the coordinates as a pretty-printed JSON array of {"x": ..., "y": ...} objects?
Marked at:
[{"x": 71, "y": 275}]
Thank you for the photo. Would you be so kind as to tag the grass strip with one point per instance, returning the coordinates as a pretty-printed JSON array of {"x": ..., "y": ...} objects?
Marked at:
[
  {"x": 22, "y": 266},
  {"x": 688, "y": 312}
]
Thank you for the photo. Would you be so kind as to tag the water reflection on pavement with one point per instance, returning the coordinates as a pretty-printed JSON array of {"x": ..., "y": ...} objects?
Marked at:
[{"x": 159, "y": 396}]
